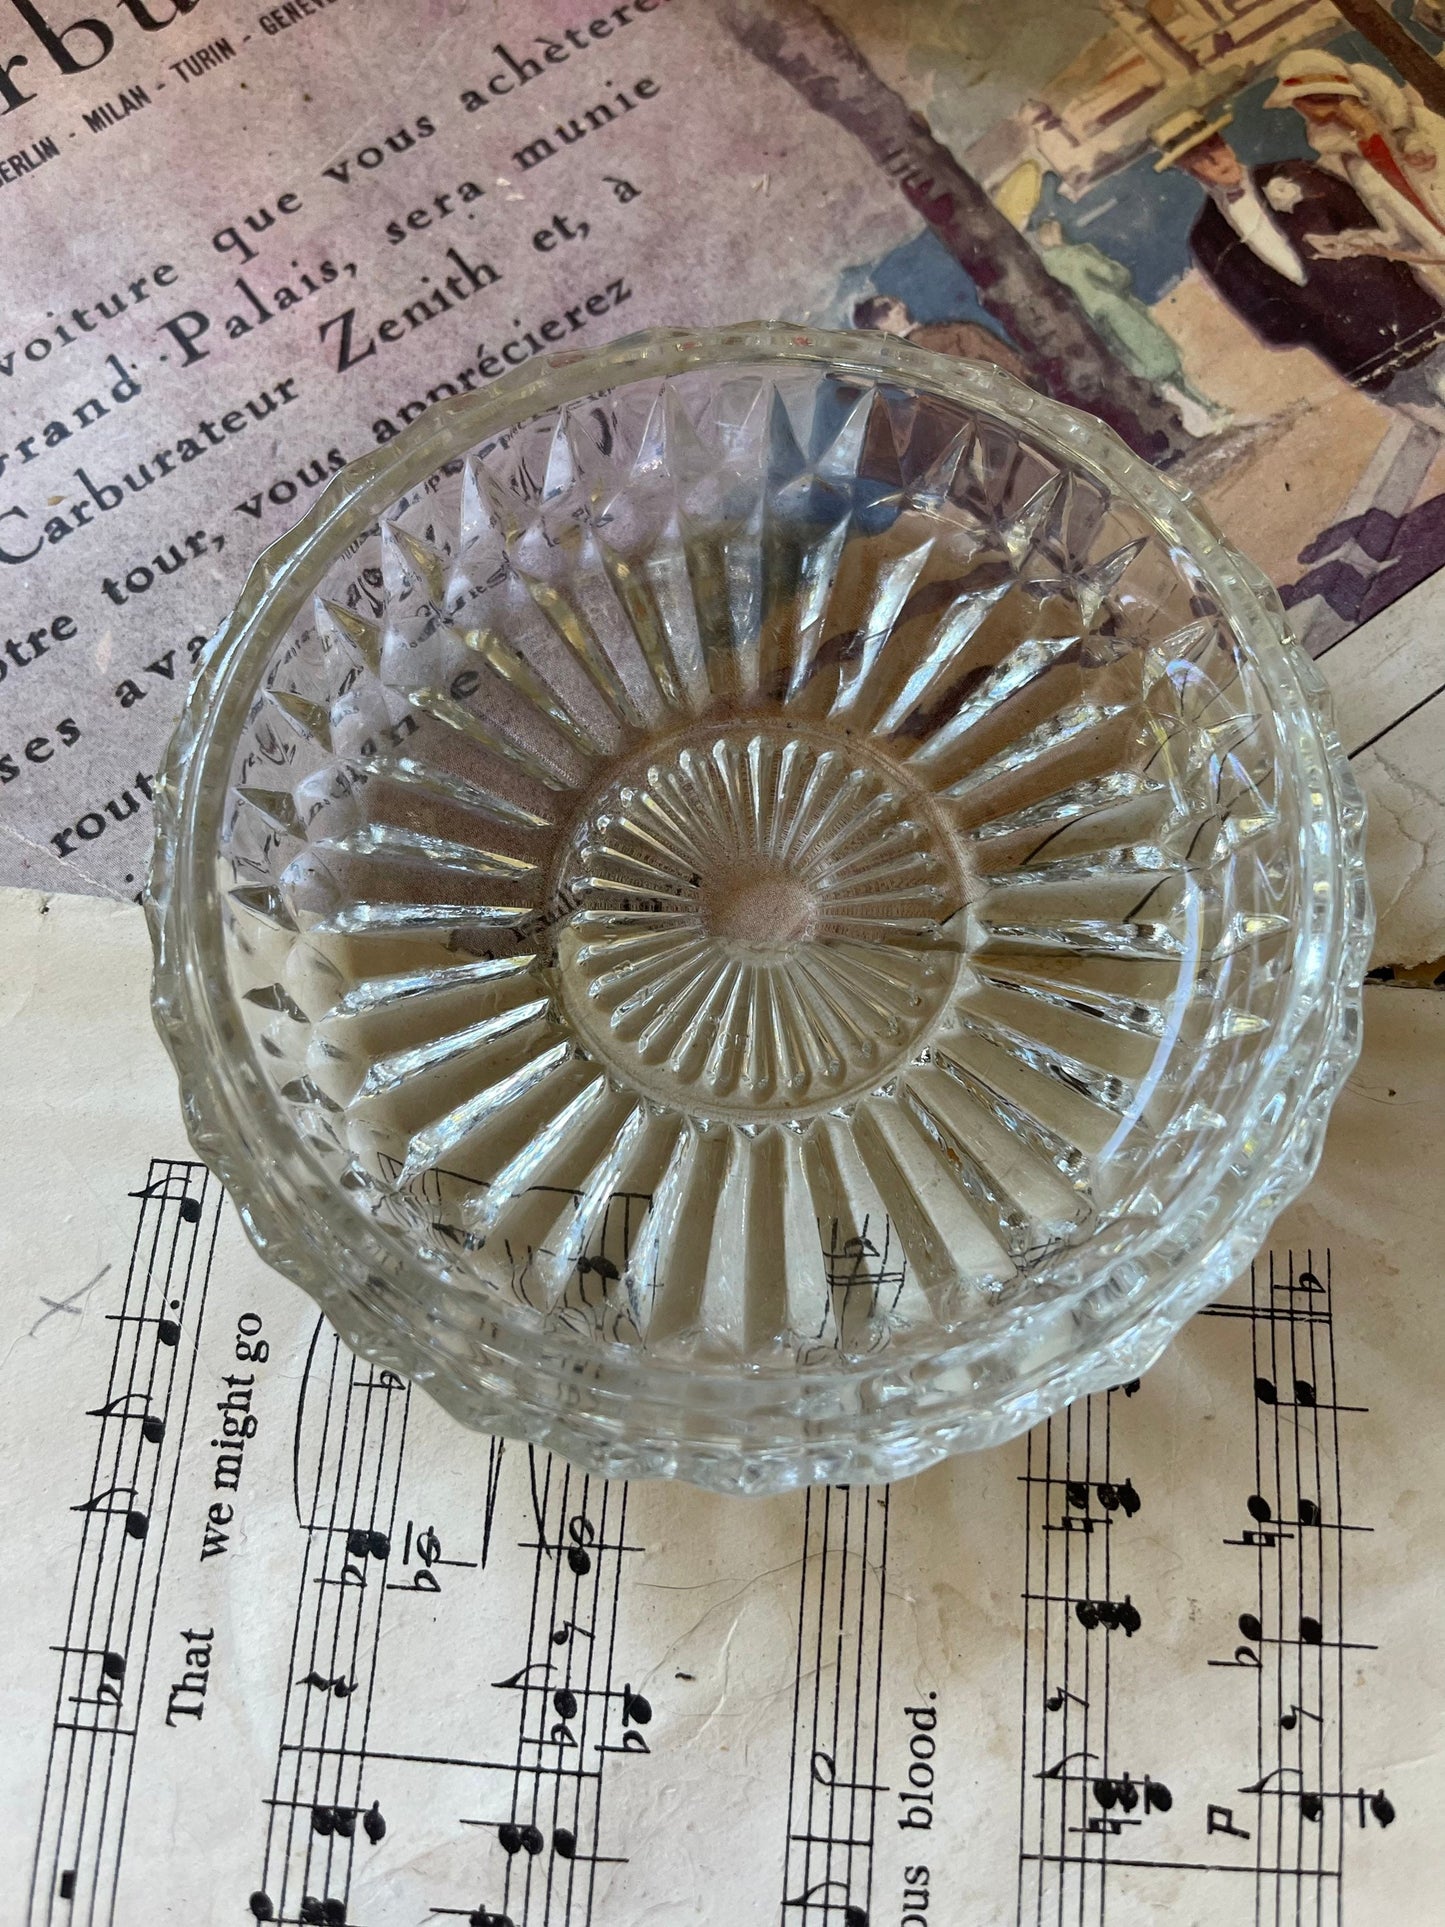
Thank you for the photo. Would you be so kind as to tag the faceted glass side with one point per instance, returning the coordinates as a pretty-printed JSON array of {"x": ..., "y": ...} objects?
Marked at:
[{"x": 771, "y": 912}]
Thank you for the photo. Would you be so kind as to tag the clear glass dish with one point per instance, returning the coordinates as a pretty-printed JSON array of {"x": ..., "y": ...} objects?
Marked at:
[{"x": 758, "y": 906}]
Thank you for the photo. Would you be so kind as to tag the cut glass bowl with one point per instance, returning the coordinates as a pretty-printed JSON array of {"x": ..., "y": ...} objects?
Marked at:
[{"x": 760, "y": 906}]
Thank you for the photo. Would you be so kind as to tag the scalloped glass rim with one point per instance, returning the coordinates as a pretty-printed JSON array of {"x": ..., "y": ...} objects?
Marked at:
[{"x": 751, "y": 1429}]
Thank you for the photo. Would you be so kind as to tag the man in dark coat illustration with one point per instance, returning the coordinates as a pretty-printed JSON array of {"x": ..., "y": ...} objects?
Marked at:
[{"x": 1299, "y": 257}]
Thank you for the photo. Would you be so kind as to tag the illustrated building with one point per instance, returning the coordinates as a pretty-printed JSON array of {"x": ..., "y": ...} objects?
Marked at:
[{"x": 1094, "y": 117}]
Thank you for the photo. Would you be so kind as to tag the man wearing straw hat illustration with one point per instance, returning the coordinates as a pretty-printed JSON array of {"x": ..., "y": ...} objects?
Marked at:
[{"x": 1297, "y": 254}]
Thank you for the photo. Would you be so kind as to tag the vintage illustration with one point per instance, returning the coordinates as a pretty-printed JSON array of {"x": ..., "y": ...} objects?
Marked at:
[
  {"x": 1243, "y": 201},
  {"x": 1217, "y": 224}
]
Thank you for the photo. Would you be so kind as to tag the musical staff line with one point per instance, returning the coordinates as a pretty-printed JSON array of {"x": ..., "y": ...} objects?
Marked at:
[
  {"x": 833, "y": 1783},
  {"x": 124, "y": 1528},
  {"x": 347, "y": 1509},
  {"x": 1283, "y": 1816},
  {"x": 1171, "y": 1866},
  {"x": 537, "y": 1808},
  {"x": 567, "y": 1698},
  {"x": 1068, "y": 1687}
]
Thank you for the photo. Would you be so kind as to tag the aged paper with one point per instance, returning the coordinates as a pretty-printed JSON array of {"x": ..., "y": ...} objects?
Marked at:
[
  {"x": 286, "y": 1644},
  {"x": 244, "y": 245}
]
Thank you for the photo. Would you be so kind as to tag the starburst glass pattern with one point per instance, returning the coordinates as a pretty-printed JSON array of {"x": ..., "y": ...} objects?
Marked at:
[
  {"x": 764, "y": 926},
  {"x": 762, "y": 906}
]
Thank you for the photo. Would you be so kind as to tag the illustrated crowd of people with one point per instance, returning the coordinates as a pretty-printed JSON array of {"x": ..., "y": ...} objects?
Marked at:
[{"x": 1343, "y": 254}]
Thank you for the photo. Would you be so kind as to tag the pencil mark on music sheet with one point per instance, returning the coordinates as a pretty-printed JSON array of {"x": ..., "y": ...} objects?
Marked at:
[{"x": 68, "y": 1305}]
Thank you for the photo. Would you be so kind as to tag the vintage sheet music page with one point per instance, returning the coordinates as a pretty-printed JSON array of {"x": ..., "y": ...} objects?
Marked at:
[{"x": 283, "y": 1643}]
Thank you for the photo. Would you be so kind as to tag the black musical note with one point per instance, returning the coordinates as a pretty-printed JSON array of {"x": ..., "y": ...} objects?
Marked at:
[
  {"x": 1119, "y": 1497},
  {"x": 1267, "y": 1392},
  {"x": 569, "y": 1629},
  {"x": 1310, "y": 1631},
  {"x": 429, "y": 1551},
  {"x": 321, "y": 1913},
  {"x": 160, "y": 1192},
  {"x": 1125, "y": 1793},
  {"x": 515, "y": 1839},
  {"x": 1056, "y": 1699},
  {"x": 853, "y": 1914},
  {"x": 341, "y": 1821},
  {"x": 153, "y": 1429},
  {"x": 635, "y": 1709},
  {"x": 564, "y": 1702},
  {"x": 112, "y": 1663},
  {"x": 136, "y": 1522},
  {"x": 564, "y": 1842},
  {"x": 262, "y": 1906},
  {"x": 1309, "y": 1513},
  {"x": 112, "y": 1673},
  {"x": 1290, "y": 1720},
  {"x": 483, "y": 1917},
  {"x": 1244, "y": 1655},
  {"x": 342, "y": 1687},
  {"x": 582, "y": 1533},
  {"x": 1113, "y": 1615},
  {"x": 1111, "y": 1793},
  {"x": 1312, "y": 1800},
  {"x": 1258, "y": 1508},
  {"x": 362, "y": 1543}
]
